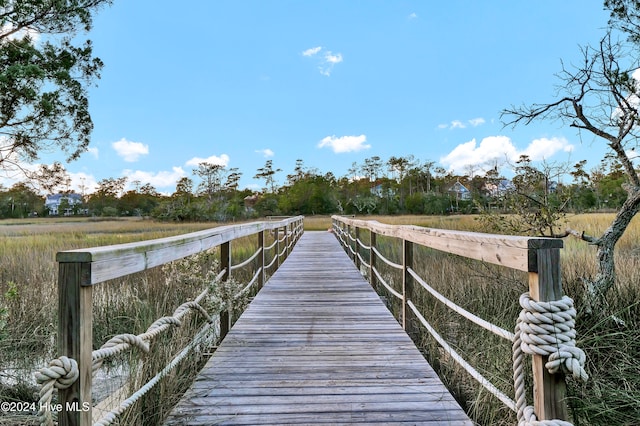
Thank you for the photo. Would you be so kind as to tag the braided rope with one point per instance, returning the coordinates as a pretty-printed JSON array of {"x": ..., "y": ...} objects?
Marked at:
[
  {"x": 60, "y": 374},
  {"x": 123, "y": 342},
  {"x": 113, "y": 415},
  {"x": 546, "y": 329},
  {"x": 63, "y": 371}
]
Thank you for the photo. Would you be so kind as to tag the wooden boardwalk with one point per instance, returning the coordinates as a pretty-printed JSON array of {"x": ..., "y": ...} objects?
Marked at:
[{"x": 317, "y": 346}]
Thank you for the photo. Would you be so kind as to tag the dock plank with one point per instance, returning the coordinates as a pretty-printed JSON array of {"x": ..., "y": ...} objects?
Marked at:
[{"x": 317, "y": 346}]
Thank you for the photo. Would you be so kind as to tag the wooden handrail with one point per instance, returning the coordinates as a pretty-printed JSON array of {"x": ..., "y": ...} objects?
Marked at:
[
  {"x": 538, "y": 256},
  {"x": 79, "y": 270},
  {"x": 506, "y": 250}
]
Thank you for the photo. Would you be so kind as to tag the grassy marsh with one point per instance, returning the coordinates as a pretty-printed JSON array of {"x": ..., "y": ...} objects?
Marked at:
[{"x": 611, "y": 338}]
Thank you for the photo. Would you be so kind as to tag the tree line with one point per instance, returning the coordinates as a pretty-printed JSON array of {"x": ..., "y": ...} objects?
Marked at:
[{"x": 399, "y": 185}]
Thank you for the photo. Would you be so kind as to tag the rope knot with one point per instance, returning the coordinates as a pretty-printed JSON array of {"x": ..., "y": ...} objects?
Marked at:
[
  {"x": 61, "y": 373},
  {"x": 548, "y": 329}
]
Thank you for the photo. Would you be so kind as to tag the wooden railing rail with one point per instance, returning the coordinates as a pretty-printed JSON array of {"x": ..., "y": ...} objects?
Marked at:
[
  {"x": 80, "y": 270},
  {"x": 539, "y": 257}
]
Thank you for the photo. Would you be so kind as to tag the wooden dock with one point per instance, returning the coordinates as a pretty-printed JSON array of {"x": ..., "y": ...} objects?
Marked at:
[{"x": 317, "y": 346}]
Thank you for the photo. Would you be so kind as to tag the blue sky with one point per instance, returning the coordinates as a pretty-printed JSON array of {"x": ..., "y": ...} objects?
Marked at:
[{"x": 329, "y": 82}]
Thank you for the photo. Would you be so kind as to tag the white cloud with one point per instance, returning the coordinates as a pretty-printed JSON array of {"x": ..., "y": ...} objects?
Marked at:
[
  {"x": 130, "y": 151},
  {"x": 500, "y": 149},
  {"x": 266, "y": 153},
  {"x": 333, "y": 59},
  {"x": 475, "y": 122},
  {"x": 539, "y": 149},
  {"x": 459, "y": 124},
  {"x": 413, "y": 15},
  {"x": 312, "y": 51},
  {"x": 221, "y": 160},
  {"x": 83, "y": 183},
  {"x": 326, "y": 61},
  {"x": 161, "y": 179},
  {"x": 345, "y": 143}
]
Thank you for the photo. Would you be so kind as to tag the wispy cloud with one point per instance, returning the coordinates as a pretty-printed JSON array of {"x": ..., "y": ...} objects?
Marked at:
[
  {"x": 345, "y": 143},
  {"x": 413, "y": 16},
  {"x": 266, "y": 153},
  {"x": 93, "y": 151},
  {"x": 475, "y": 122},
  {"x": 326, "y": 61},
  {"x": 459, "y": 124},
  {"x": 500, "y": 149},
  {"x": 221, "y": 160},
  {"x": 312, "y": 51},
  {"x": 130, "y": 151}
]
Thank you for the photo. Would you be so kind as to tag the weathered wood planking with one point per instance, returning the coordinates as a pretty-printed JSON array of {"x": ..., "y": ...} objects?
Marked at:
[{"x": 317, "y": 346}]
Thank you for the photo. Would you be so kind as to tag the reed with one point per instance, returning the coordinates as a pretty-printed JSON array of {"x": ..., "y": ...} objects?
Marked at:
[
  {"x": 610, "y": 338},
  {"x": 28, "y": 305}
]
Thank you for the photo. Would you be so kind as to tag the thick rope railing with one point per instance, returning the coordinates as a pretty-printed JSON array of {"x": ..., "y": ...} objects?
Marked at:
[
  {"x": 113, "y": 415},
  {"x": 543, "y": 329},
  {"x": 386, "y": 285},
  {"x": 461, "y": 361},
  {"x": 546, "y": 329},
  {"x": 498, "y": 331},
  {"x": 387, "y": 261},
  {"x": 63, "y": 372},
  {"x": 247, "y": 261}
]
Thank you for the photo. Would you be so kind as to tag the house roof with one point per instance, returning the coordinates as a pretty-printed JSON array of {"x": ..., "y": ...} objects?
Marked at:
[
  {"x": 458, "y": 187},
  {"x": 56, "y": 198}
]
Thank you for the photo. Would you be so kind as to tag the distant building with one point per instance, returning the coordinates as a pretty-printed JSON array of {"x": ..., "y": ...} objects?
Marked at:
[
  {"x": 250, "y": 202},
  {"x": 53, "y": 203},
  {"x": 499, "y": 188},
  {"x": 461, "y": 192}
]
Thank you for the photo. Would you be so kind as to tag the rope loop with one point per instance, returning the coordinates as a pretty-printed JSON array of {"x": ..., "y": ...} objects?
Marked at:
[
  {"x": 548, "y": 329},
  {"x": 61, "y": 373},
  {"x": 545, "y": 329}
]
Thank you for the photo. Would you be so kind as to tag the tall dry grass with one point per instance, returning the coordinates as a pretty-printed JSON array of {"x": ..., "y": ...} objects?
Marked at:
[
  {"x": 610, "y": 338},
  {"x": 28, "y": 307}
]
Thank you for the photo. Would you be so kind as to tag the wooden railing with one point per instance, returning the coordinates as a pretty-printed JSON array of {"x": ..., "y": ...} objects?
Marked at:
[
  {"x": 539, "y": 257},
  {"x": 80, "y": 270}
]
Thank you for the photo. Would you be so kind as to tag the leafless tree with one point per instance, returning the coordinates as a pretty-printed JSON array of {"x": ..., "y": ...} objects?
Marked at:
[{"x": 599, "y": 98}]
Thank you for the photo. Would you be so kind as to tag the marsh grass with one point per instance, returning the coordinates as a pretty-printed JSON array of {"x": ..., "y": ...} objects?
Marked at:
[
  {"x": 610, "y": 338},
  {"x": 28, "y": 306}
]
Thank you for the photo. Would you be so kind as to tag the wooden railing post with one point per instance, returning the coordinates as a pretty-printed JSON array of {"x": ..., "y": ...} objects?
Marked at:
[
  {"x": 261, "y": 274},
  {"x": 225, "y": 264},
  {"x": 407, "y": 284},
  {"x": 277, "y": 239},
  {"x": 549, "y": 390},
  {"x": 357, "y": 244},
  {"x": 372, "y": 259},
  {"x": 75, "y": 334},
  {"x": 288, "y": 240}
]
